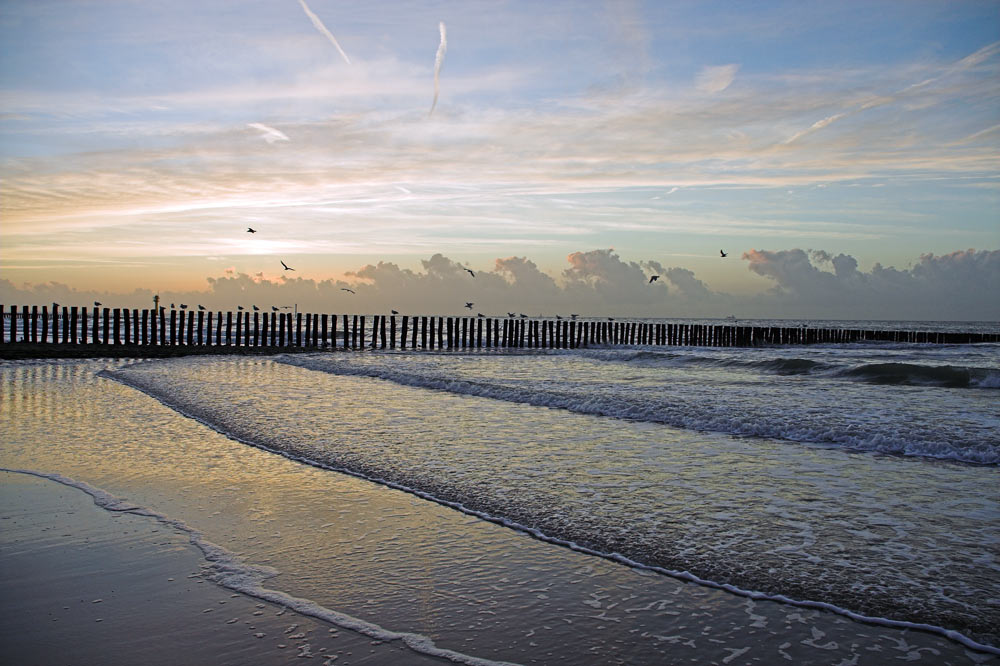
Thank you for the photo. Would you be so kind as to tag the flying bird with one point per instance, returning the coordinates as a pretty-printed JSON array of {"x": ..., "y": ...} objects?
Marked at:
[
  {"x": 469, "y": 305},
  {"x": 470, "y": 272},
  {"x": 653, "y": 279},
  {"x": 287, "y": 267},
  {"x": 251, "y": 230},
  {"x": 438, "y": 61},
  {"x": 723, "y": 253},
  {"x": 346, "y": 289}
]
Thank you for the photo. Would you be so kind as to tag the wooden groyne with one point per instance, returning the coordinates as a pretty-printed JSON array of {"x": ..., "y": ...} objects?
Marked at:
[{"x": 71, "y": 325}]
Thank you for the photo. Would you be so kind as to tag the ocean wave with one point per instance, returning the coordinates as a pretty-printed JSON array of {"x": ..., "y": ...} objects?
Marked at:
[
  {"x": 700, "y": 415},
  {"x": 912, "y": 374}
]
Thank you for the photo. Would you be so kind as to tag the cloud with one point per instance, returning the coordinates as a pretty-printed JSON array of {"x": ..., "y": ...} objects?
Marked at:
[
  {"x": 322, "y": 29},
  {"x": 269, "y": 134},
  {"x": 438, "y": 62},
  {"x": 716, "y": 79},
  {"x": 815, "y": 127},
  {"x": 961, "y": 285}
]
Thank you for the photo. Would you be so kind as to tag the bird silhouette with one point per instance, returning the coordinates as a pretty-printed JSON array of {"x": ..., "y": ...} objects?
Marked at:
[
  {"x": 524, "y": 316},
  {"x": 55, "y": 305},
  {"x": 723, "y": 253},
  {"x": 558, "y": 317},
  {"x": 256, "y": 309},
  {"x": 239, "y": 307},
  {"x": 653, "y": 279},
  {"x": 287, "y": 267},
  {"x": 393, "y": 312},
  {"x": 611, "y": 318},
  {"x": 274, "y": 308},
  {"x": 346, "y": 289},
  {"x": 183, "y": 306},
  {"x": 251, "y": 230},
  {"x": 470, "y": 272},
  {"x": 511, "y": 314},
  {"x": 574, "y": 316},
  {"x": 480, "y": 314},
  {"x": 172, "y": 306},
  {"x": 97, "y": 303},
  {"x": 202, "y": 307},
  {"x": 469, "y": 305}
]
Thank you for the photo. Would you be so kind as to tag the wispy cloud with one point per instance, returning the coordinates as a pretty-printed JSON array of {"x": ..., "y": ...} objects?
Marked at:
[
  {"x": 269, "y": 134},
  {"x": 815, "y": 127},
  {"x": 716, "y": 79},
  {"x": 323, "y": 30},
  {"x": 438, "y": 62}
]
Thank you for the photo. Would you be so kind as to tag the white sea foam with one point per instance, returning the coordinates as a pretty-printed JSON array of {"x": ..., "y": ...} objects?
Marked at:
[{"x": 229, "y": 571}]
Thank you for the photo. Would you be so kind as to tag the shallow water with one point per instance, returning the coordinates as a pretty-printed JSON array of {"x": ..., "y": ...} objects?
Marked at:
[{"x": 410, "y": 565}]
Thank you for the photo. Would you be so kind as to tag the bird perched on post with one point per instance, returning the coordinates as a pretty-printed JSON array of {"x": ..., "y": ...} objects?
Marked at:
[
  {"x": 511, "y": 314},
  {"x": 393, "y": 312},
  {"x": 479, "y": 314},
  {"x": 274, "y": 308},
  {"x": 256, "y": 309},
  {"x": 287, "y": 267},
  {"x": 653, "y": 279},
  {"x": 201, "y": 307},
  {"x": 239, "y": 307},
  {"x": 183, "y": 306}
]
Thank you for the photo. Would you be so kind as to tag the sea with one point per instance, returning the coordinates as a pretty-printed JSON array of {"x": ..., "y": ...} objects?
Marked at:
[{"x": 827, "y": 504}]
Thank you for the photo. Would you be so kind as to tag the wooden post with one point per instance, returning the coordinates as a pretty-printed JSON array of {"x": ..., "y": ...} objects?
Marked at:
[
  {"x": 298, "y": 329},
  {"x": 440, "y": 332},
  {"x": 374, "y": 342},
  {"x": 381, "y": 332},
  {"x": 403, "y": 331},
  {"x": 413, "y": 340},
  {"x": 479, "y": 333},
  {"x": 392, "y": 331},
  {"x": 362, "y": 329},
  {"x": 432, "y": 332},
  {"x": 354, "y": 333},
  {"x": 45, "y": 324},
  {"x": 190, "y": 328},
  {"x": 34, "y": 323},
  {"x": 450, "y": 324}
]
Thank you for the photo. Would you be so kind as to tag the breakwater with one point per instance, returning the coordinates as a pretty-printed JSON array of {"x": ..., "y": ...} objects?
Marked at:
[{"x": 75, "y": 325}]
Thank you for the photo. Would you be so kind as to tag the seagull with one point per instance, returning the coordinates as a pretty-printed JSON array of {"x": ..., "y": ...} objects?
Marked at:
[
  {"x": 274, "y": 308},
  {"x": 183, "y": 306},
  {"x": 524, "y": 316},
  {"x": 171, "y": 306},
  {"x": 256, "y": 309},
  {"x": 469, "y": 305},
  {"x": 470, "y": 272},
  {"x": 574, "y": 316},
  {"x": 511, "y": 314},
  {"x": 287, "y": 268},
  {"x": 238, "y": 307},
  {"x": 55, "y": 305},
  {"x": 611, "y": 318},
  {"x": 653, "y": 279},
  {"x": 723, "y": 253},
  {"x": 480, "y": 314},
  {"x": 558, "y": 317},
  {"x": 346, "y": 289},
  {"x": 393, "y": 312},
  {"x": 251, "y": 230},
  {"x": 98, "y": 303}
]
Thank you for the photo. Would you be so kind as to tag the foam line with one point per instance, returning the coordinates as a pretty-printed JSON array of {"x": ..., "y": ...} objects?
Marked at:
[
  {"x": 229, "y": 572},
  {"x": 685, "y": 576}
]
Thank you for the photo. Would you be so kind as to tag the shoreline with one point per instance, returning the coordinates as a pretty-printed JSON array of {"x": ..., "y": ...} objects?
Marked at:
[
  {"x": 108, "y": 584},
  {"x": 23, "y": 351}
]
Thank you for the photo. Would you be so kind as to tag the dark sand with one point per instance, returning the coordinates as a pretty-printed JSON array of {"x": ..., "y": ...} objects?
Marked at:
[
  {"x": 80, "y": 585},
  {"x": 29, "y": 350}
]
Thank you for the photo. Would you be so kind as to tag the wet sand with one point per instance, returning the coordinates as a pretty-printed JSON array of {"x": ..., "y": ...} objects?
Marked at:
[{"x": 80, "y": 585}]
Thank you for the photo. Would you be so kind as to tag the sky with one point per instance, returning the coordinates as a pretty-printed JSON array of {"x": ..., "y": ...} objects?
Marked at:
[{"x": 844, "y": 156}]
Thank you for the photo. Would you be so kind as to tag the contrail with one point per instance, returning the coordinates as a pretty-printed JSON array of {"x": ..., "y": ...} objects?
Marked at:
[
  {"x": 322, "y": 28},
  {"x": 438, "y": 61}
]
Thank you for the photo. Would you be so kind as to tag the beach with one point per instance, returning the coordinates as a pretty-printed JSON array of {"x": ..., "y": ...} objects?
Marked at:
[{"x": 372, "y": 521}]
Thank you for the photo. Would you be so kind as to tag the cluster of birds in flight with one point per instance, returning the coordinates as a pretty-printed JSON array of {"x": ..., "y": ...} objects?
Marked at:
[{"x": 468, "y": 304}]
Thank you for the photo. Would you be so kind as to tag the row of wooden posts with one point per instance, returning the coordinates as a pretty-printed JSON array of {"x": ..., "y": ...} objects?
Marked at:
[{"x": 116, "y": 326}]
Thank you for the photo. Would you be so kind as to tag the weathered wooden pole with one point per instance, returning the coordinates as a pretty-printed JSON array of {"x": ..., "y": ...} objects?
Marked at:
[
  {"x": 404, "y": 329},
  {"x": 298, "y": 329}
]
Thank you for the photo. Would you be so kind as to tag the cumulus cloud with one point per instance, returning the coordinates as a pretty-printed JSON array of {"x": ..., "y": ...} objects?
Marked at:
[
  {"x": 957, "y": 286},
  {"x": 815, "y": 284}
]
